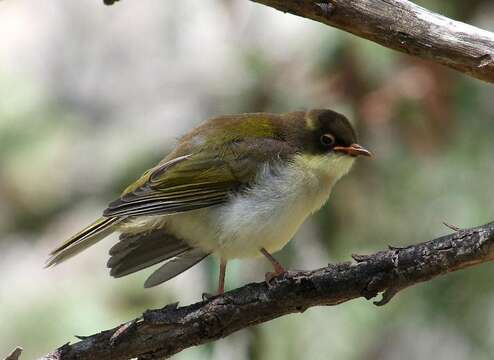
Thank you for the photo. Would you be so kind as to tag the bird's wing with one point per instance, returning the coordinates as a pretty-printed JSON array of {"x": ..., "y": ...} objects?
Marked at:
[{"x": 196, "y": 180}]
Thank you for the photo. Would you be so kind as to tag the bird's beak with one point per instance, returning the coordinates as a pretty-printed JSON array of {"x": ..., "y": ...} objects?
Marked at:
[{"x": 353, "y": 150}]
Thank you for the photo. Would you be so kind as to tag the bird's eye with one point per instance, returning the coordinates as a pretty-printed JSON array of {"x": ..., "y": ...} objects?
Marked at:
[{"x": 327, "y": 140}]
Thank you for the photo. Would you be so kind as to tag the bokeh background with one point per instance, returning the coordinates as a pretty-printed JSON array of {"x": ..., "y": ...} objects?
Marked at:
[{"x": 91, "y": 96}]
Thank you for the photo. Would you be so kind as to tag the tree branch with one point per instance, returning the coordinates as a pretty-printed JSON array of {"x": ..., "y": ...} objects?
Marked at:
[
  {"x": 14, "y": 355},
  {"x": 406, "y": 27},
  {"x": 164, "y": 332},
  {"x": 403, "y": 26}
]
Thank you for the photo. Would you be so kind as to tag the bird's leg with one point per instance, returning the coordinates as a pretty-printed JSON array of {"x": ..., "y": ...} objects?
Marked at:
[
  {"x": 278, "y": 268},
  {"x": 221, "y": 282}
]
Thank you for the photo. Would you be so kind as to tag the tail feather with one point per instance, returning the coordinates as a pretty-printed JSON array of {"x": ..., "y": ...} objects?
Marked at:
[
  {"x": 135, "y": 252},
  {"x": 85, "y": 238},
  {"x": 175, "y": 266}
]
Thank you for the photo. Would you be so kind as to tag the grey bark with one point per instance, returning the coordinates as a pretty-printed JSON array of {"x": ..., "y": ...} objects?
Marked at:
[
  {"x": 403, "y": 26},
  {"x": 163, "y": 332}
]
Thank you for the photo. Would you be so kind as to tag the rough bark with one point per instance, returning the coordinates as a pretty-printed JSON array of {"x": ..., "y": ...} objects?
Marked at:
[
  {"x": 406, "y": 27},
  {"x": 163, "y": 332},
  {"x": 403, "y": 26}
]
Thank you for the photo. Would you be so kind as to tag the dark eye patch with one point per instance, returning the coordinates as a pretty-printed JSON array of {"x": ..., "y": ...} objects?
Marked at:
[{"x": 337, "y": 125}]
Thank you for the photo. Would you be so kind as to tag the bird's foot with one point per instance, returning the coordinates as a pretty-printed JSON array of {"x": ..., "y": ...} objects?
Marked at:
[
  {"x": 269, "y": 276},
  {"x": 209, "y": 296},
  {"x": 278, "y": 268},
  {"x": 221, "y": 291}
]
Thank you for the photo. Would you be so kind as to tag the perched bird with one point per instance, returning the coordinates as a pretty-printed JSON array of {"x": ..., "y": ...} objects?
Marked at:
[{"x": 236, "y": 186}]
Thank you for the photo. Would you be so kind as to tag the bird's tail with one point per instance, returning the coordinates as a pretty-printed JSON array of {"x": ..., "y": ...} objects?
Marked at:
[{"x": 85, "y": 238}]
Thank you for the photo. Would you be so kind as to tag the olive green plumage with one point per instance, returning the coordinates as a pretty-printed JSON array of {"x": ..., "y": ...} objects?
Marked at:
[{"x": 212, "y": 165}]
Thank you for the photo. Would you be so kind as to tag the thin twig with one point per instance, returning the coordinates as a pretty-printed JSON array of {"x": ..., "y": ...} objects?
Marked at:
[{"x": 15, "y": 354}]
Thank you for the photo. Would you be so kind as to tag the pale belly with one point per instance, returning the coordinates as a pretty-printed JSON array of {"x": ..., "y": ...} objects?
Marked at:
[
  {"x": 244, "y": 226},
  {"x": 267, "y": 216}
]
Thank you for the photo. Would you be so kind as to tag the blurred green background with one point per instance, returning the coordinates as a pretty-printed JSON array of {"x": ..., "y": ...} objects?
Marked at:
[{"x": 91, "y": 96}]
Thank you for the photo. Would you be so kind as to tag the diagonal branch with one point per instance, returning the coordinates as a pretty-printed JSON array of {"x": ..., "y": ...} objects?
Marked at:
[
  {"x": 163, "y": 332},
  {"x": 406, "y": 27},
  {"x": 403, "y": 26}
]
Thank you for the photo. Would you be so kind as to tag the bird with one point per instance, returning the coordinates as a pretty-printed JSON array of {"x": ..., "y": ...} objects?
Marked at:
[{"x": 236, "y": 186}]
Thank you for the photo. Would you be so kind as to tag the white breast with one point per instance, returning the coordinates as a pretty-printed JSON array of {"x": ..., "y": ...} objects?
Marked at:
[{"x": 268, "y": 214}]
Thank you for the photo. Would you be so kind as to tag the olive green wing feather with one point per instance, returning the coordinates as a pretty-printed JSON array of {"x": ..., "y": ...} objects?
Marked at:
[{"x": 196, "y": 180}]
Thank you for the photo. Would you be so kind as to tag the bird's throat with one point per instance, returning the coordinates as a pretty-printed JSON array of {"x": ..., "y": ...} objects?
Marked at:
[{"x": 329, "y": 167}]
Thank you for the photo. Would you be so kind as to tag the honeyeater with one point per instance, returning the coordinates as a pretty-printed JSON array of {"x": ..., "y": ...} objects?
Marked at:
[{"x": 236, "y": 186}]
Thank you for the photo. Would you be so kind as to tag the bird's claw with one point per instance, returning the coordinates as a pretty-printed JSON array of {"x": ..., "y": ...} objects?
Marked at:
[
  {"x": 208, "y": 296},
  {"x": 269, "y": 276}
]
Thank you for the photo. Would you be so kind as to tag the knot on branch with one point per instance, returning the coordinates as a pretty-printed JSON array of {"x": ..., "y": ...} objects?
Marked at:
[{"x": 389, "y": 279}]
